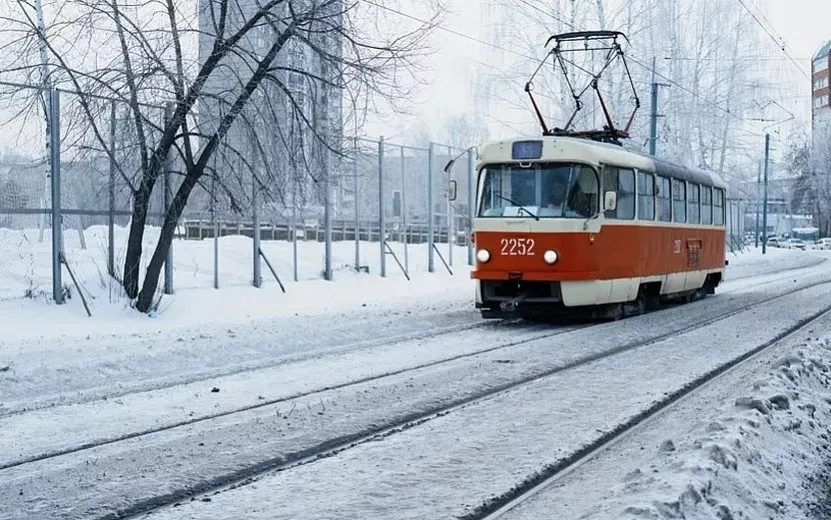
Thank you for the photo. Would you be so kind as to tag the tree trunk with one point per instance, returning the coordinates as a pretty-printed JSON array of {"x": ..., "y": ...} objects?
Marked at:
[
  {"x": 154, "y": 269},
  {"x": 132, "y": 259}
]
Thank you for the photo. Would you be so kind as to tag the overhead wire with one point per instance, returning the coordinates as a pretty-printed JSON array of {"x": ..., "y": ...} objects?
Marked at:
[
  {"x": 780, "y": 42},
  {"x": 633, "y": 59}
]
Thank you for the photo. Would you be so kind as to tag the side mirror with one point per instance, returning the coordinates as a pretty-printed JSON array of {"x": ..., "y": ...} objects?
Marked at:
[
  {"x": 451, "y": 191},
  {"x": 610, "y": 201}
]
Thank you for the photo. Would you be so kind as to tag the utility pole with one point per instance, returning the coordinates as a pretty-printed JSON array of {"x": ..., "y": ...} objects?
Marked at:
[
  {"x": 758, "y": 202},
  {"x": 765, "y": 210},
  {"x": 653, "y": 116}
]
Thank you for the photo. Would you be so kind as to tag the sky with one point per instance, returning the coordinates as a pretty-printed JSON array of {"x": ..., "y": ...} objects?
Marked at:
[{"x": 803, "y": 25}]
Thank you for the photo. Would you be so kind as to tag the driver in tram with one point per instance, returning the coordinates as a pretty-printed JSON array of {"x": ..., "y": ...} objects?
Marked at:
[{"x": 557, "y": 199}]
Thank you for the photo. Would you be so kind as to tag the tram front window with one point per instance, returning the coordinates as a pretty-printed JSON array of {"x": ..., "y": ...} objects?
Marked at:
[{"x": 543, "y": 190}]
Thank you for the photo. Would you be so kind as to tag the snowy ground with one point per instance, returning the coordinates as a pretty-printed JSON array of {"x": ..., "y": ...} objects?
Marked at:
[
  {"x": 189, "y": 398},
  {"x": 753, "y": 444},
  {"x": 451, "y": 465},
  {"x": 197, "y": 305}
]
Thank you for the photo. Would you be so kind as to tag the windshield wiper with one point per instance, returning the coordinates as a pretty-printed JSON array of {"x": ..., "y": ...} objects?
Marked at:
[{"x": 517, "y": 204}]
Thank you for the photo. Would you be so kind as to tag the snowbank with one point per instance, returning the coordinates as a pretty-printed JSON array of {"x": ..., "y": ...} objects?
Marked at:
[
  {"x": 763, "y": 457},
  {"x": 25, "y": 282}
]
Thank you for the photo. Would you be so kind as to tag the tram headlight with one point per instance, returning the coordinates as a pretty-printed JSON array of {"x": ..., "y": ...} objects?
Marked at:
[
  {"x": 483, "y": 255},
  {"x": 550, "y": 257}
]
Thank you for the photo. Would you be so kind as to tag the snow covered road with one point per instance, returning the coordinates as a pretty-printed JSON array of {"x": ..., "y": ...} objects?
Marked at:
[
  {"x": 454, "y": 465},
  {"x": 292, "y": 414}
]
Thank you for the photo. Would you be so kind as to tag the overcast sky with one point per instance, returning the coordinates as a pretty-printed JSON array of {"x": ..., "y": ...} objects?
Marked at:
[{"x": 802, "y": 24}]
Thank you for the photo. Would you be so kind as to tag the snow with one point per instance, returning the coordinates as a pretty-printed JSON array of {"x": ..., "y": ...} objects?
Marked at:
[
  {"x": 475, "y": 443},
  {"x": 330, "y": 360},
  {"x": 753, "y": 444},
  {"x": 448, "y": 466},
  {"x": 196, "y": 303},
  {"x": 25, "y": 265}
]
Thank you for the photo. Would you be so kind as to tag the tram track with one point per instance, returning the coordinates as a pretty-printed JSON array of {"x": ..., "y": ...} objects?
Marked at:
[
  {"x": 87, "y": 395},
  {"x": 421, "y": 458},
  {"x": 381, "y": 431},
  {"x": 529, "y": 488},
  {"x": 266, "y": 403}
]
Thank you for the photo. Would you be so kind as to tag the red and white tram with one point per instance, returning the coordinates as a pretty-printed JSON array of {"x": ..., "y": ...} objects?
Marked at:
[{"x": 573, "y": 224}]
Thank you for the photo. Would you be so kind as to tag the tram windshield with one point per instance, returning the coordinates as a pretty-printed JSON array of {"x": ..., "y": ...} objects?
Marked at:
[{"x": 543, "y": 190}]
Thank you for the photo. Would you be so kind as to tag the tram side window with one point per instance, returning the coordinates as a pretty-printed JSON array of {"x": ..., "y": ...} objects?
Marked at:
[
  {"x": 706, "y": 205},
  {"x": 646, "y": 196},
  {"x": 693, "y": 208},
  {"x": 621, "y": 181},
  {"x": 679, "y": 202},
  {"x": 664, "y": 202},
  {"x": 718, "y": 207}
]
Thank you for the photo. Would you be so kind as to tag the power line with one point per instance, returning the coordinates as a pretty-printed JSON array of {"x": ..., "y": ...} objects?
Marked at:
[
  {"x": 774, "y": 38},
  {"x": 531, "y": 58}
]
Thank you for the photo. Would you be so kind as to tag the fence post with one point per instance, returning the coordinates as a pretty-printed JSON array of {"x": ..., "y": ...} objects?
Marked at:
[
  {"x": 471, "y": 190},
  {"x": 404, "y": 213},
  {"x": 382, "y": 222},
  {"x": 111, "y": 220},
  {"x": 357, "y": 208},
  {"x": 168, "y": 262},
  {"x": 255, "y": 232},
  {"x": 431, "y": 267},
  {"x": 296, "y": 272},
  {"x": 327, "y": 216},
  {"x": 451, "y": 224},
  {"x": 215, "y": 223},
  {"x": 57, "y": 217}
]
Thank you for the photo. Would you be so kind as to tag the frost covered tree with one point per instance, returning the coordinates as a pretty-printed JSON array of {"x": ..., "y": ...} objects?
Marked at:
[
  {"x": 214, "y": 92},
  {"x": 811, "y": 160},
  {"x": 712, "y": 75}
]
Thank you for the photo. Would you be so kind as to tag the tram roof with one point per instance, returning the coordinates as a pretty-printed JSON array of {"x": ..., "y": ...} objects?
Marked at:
[{"x": 601, "y": 152}]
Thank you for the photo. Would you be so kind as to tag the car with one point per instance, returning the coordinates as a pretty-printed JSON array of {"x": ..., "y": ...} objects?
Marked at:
[
  {"x": 774, "y": 242},
  {"x": 795, "y": 243},
  {"x": 822, "y": 243}
]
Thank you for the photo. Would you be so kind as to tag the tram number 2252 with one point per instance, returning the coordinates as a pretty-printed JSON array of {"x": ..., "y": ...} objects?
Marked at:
[{"x": 517, "y": 246}]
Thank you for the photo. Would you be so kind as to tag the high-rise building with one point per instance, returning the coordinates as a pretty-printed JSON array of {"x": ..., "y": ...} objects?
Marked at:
[
  {"x": 286, "y": 125},
  {"x": 820, "y": 76}
]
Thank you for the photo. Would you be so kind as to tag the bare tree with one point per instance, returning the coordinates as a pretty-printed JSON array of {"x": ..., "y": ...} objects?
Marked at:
[
  {"x": 811, "y": 160},
  {"x": 712, "y": 71},
  {"x": 255, "y": 99}
]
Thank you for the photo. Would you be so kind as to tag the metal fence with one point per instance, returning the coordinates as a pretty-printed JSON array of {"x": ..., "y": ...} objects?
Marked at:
[
  {"x": 736, "y": 233},
  {"x": 380, "y": 208},
  {"x": 67, "y": 210}
]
